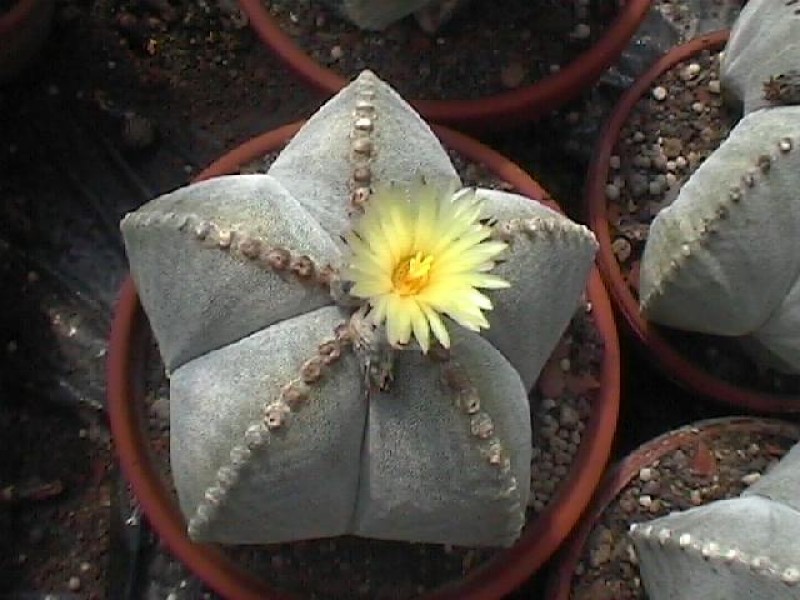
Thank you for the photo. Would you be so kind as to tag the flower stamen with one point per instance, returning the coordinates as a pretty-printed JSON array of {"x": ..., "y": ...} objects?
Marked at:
[{"x": 412, "y": 274}]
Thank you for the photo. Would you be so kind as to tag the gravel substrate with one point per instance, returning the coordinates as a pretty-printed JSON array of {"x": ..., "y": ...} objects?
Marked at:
[{"x": 482, "y": 51}]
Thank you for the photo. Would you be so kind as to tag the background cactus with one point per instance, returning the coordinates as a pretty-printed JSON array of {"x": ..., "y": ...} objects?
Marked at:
[
  {"x": 291, "y": 417},
  {"x": 764, "y": 44},
  {"x": 379, "y": 14},
  {"x": 744, "y": 547},
  {"x": 723, "y": 258}
]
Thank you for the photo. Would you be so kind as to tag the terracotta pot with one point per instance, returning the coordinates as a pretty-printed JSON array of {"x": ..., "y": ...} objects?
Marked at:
[
  {"x": 492, "y": 113},
  {"x": 23, "y": 30},
  {"x": 559, "y": 585},
  {"x": 665, "y": 356},
  {"x": 129, "y": 337}
]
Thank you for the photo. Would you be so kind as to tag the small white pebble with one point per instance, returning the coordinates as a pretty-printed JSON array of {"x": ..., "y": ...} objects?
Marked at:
[
  {"x": 645, "y": 501},
  {"x": 564, "y": 364},
  {"x": 74, "y": 583},
  {"x": 660, "y": 93},
  {"x": 671, "y": 165},
  {"x": 695, "y": 497},
  {"x": 646, "y": 474},
  {"x": 671, "y": 180},
  {"x": 337, "y": 52},
  {"x": 751, "y": 478},
  {"x": 612, "y": 192},
  {"x": 681, "y": 162},
  {"x": 614, "y": 162},
  {"x": 714, "y": 86},
  {"x": 690, "y": 72},
  {"x": 581, "y": 31},
  {"x": 698, "y": 107},
  {"x": 554, "y": 68},
  {"x": 638, "y": 136}
]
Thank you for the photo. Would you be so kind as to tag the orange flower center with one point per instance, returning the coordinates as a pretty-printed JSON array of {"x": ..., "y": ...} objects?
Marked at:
[{"x": 412, "y": 274}]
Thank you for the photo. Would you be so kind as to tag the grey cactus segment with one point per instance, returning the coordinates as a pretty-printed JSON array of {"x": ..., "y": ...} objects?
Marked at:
[
  {"x": 718, "y": 260},
  {"x": 764, "y": 43},
  {"x": 308, "y": 468},
  {"x": 548, "y": 259},
  {"x": 376, "y": 14},
  {"x": 781, "y": 483},
  {"x": 744, "y": 548},
  {"x": 402, "y": 149},
  {"x": 478, "y": 499},
  {"x": 200, "y": 287}
]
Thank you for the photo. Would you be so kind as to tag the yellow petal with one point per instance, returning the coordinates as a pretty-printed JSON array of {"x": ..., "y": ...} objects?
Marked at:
[
  {"x": 436, "y": 324},
  {"x": 398, "y": 321},
  {"x": 379, "y": 306},
  {"x": 419, "y": 325},
  {"x": 366, "y": 288}
]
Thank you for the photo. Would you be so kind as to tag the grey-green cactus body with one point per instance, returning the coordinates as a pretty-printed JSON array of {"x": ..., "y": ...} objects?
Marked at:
[
  {"x": 724, "y": 258},
  {"x": 764, "y": 44},
  {"x": 278, "y": 429},
  {"x": 743, "y": 547}
]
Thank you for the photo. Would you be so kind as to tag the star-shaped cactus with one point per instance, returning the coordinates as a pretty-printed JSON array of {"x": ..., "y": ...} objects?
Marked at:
[{"x": 297, "y": 411}]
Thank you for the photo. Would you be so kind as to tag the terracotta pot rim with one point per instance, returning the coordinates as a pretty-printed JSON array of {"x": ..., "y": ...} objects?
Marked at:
[
  {"x": 491, "y": 112},
  {"x": 559, "y": 583},
  {"x": 667, "y": 357},
  {"x": 16, "y": 16},
  {"x": 501, "y": 574}
]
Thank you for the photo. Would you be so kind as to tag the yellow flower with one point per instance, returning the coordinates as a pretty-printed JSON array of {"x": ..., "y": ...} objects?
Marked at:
[{"x": 421, "y": 253}]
